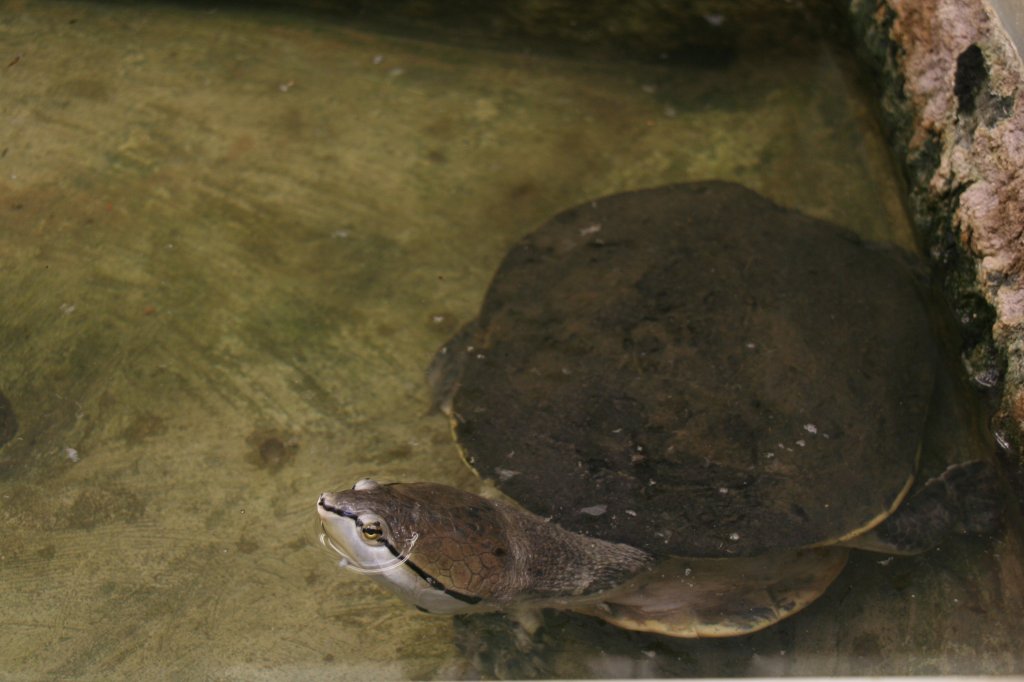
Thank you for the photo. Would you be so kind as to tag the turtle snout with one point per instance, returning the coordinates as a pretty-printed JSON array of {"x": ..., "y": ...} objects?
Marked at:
[
  {"x": 324, "y": 507},
  {"x": 334, "y": 504}
]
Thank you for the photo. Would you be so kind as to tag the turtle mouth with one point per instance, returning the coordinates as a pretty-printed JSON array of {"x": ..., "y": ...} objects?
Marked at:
[
  {"x": 345, "y": 560},
  {"x": 333, "y": 548}
]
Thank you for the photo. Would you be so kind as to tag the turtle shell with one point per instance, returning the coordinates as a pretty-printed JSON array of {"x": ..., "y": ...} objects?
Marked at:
[{"x": 696, "y": 371}]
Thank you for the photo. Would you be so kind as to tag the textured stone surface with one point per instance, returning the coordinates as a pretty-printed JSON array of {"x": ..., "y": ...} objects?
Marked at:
[{"x": 953, "y": 94}]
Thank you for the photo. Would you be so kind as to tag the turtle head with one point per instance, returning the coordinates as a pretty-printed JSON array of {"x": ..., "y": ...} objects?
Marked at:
[
  {"x": 421, "y": 541},
  {"x": 449, "y": 551},
  {"x": 357, "y": 525}
]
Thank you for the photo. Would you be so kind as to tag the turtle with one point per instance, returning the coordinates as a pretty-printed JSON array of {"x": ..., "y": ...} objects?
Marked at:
[{"x": 690, "y": 404}]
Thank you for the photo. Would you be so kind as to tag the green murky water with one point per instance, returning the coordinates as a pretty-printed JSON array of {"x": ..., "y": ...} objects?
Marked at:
[{"x": 230, "y": 242}]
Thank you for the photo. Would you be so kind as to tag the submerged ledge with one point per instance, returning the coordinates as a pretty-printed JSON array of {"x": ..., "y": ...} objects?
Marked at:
[{"x": 952, "y": 100}]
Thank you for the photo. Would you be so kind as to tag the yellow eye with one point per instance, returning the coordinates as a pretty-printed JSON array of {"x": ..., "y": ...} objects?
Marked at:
[{"x": 372, "y": 531}]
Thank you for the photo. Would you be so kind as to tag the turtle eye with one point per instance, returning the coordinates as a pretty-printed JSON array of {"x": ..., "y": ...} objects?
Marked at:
[{"x": 372, "y": 531}]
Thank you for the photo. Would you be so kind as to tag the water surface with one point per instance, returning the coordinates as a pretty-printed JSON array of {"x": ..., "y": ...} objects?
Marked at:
[{"x": 231, "y": 241}]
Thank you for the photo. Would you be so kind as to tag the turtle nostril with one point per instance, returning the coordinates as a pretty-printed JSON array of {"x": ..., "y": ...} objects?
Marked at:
[{"x": 320, "y": 502}]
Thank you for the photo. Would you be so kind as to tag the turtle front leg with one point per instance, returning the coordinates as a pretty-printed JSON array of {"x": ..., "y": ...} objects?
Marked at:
[
  {"x": 965, "y": 498},
  {"x": 446, "y": 368}
]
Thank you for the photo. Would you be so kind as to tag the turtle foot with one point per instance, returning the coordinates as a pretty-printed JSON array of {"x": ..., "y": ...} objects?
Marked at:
[
  {"x": 446, "y": 368},
  {"x": 499, "y": 647},
  {"x": 965, "y": 498},
  {"x": 975, "y": 488}
]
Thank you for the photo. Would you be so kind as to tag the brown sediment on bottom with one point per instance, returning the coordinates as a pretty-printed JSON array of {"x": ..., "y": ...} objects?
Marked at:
[{"x": 8, "y": 422}]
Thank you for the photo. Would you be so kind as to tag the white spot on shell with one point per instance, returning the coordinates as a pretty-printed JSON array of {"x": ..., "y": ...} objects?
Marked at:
[
  {"x": 595, "y": 510},
  {"x": 506, "y": 474},
  {"x": 71, "y": 454},
  {"x": 801, "y": 443},
  {"x": 723, "y": 490},
  {"x": 734, "y": 536},
  {"x": 810, "y": 428},
  {"x": 630, "y": 512},
  {"x": 593, "y": 228}
]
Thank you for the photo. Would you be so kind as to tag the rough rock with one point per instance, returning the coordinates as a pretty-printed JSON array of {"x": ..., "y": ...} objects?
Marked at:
[{"x": 953, "y": 100}]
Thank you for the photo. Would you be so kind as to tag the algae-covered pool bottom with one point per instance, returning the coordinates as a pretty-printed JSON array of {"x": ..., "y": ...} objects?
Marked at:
[{"x": 231, "y": 243}]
